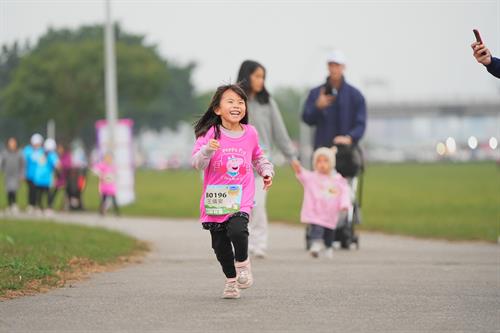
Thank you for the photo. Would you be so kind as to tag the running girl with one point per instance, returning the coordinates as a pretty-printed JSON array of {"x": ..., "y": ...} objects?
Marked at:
[{"x": 227, "y": 149}]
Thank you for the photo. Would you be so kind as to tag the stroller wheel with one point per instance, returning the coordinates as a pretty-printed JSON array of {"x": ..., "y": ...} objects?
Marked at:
[
  {"x": 356, "y": 241},
  {"x": 346, "y": 237},
  {"x": 345, "y": 244}
]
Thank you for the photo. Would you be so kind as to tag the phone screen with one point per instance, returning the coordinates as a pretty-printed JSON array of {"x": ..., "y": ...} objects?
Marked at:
[{"x": 478, "y": 36}]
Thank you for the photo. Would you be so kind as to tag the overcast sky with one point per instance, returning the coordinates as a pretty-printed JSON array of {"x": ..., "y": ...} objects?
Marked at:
[{"x": 414, "y": 49}]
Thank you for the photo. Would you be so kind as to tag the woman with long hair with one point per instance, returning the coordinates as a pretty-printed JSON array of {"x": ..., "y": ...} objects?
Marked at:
[{"x": 265, "y": 116}]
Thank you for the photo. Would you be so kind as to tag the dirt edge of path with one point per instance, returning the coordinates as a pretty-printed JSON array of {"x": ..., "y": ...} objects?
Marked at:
[{"x": 78, "y": 269}]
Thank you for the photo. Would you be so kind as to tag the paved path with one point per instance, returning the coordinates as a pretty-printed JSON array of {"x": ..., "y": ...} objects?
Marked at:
[{"x": 392, "y": 284}]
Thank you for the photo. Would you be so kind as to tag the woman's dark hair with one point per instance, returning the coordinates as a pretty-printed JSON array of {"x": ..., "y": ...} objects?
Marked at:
[
  {"x": 246, "y": 70},
  {"x": 210, "y": 119}
]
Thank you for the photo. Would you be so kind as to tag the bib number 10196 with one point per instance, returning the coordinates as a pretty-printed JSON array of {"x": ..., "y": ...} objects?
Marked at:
[{"x": 222, "y": 199}]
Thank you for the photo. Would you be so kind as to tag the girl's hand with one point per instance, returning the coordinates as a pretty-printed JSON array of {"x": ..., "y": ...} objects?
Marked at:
[
  {"x": 213, "y": 145},
  {"x": 297, "y": 168},
  {"x": 268, "y": 181}
]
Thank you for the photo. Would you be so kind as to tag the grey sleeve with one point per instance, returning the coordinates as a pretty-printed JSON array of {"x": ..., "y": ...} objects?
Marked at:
[
  {"x": 280, "y": 134},
  {"x": 201, "y": 159}
]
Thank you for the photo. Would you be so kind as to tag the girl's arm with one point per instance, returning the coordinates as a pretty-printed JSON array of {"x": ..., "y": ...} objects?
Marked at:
[
  {"x": 204, "y": 149},
  {"x": 201, "y": 159},
  {"x": 263, "y": 166},
  {"x": 296, "y": 166},
  {"x": 265, "y": 169},
  {"x": 301, "y": 173}
]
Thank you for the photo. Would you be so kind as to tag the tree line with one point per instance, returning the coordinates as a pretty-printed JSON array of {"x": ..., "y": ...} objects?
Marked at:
[{"x": 61, "y": 77}]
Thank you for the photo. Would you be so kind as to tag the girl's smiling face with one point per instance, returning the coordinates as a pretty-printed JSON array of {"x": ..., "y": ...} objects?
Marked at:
[{"x": 231, "y": 109}]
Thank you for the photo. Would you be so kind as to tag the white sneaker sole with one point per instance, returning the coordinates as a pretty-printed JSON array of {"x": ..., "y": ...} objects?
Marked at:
[{"x": 245, "y": 285}]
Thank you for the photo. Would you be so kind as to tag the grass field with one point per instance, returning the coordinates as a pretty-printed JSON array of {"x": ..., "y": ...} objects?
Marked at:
[
  {"x": 451, "y": 201},
  {"x": 38, "y": 250}
]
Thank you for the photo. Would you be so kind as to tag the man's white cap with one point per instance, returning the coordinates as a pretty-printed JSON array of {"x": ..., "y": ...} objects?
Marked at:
[
  {"x": 337, "y": 57},
  {"x": 36, "y": 139},
  {"x": 49, "y": 145}
]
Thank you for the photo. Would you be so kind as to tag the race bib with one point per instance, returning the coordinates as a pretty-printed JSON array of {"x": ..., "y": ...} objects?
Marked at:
[
  {"x": 222, "y": 199},
  {"x": 109, "y": 178}
]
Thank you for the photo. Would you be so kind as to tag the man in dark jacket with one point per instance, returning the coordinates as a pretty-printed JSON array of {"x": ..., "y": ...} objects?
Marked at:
[
  {"x": 483, "y": 56},
  {"x": 336, "y": 109}
]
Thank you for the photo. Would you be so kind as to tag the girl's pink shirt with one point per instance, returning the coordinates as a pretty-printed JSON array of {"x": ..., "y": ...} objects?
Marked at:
[
  {"x": 324, "y": 197},
  {"x": 231, "y": 164},
  {"x": 107, "y": 178}
]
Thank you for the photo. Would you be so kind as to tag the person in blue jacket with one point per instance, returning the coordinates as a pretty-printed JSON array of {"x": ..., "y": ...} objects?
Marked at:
[
  {"x": 31, "y": 155},
  {"x": 45, "y": 171},
  {"x": 483, "y": 56},
  {"x": 335, "y": 108}
]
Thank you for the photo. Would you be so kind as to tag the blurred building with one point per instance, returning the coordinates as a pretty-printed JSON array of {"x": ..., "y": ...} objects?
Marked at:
[{"x": 433, "y": 130}]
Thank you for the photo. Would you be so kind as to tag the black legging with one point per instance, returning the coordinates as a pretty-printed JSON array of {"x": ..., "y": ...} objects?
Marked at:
[
  {"x": 40, "y": 193},
  {"x": 102, "y": 207},
  {"x": 52, "y": 196},
  {"x": 31, "y": 193},
  {"x": 235, "y": 234},
  {"x": 11, "y": 197}
]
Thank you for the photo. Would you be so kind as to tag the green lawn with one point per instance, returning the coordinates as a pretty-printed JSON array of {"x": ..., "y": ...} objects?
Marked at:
[
  {"x": 453, "y": 201},
  {"x": 32, "y": 250}
]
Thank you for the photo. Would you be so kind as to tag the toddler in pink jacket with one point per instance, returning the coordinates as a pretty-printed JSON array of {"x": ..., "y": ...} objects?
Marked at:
[{"x": 326, "y": 199}]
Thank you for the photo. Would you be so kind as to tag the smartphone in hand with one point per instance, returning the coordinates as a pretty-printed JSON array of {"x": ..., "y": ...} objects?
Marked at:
[
  {"x": 329, "y": 90},
  {"x": 478, "y": 38}
]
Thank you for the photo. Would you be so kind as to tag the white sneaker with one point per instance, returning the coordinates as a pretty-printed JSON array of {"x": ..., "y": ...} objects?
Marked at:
[
  {"x": 244, "y": 272},
  {"x": 14, "y": 209},
  {"x": 329, "y": 253},
  {"x": 231, "y": 289},
  {"x": 48, "y": 212},
  {"x": 315, "y": 248}
]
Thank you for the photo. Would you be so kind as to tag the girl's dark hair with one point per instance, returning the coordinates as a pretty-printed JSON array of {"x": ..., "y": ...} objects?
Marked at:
[
  {"x": 246, "y": 69},
  {"x": 210, "y": 119}
]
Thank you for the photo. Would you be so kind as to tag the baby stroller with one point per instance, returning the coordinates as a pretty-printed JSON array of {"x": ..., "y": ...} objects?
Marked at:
[{"x": 350, "y": 164}]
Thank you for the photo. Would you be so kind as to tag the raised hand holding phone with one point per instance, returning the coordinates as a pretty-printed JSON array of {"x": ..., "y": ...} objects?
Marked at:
[
  {"x": 324, "y": 100},
  {"x": 481, "y": 53}
]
